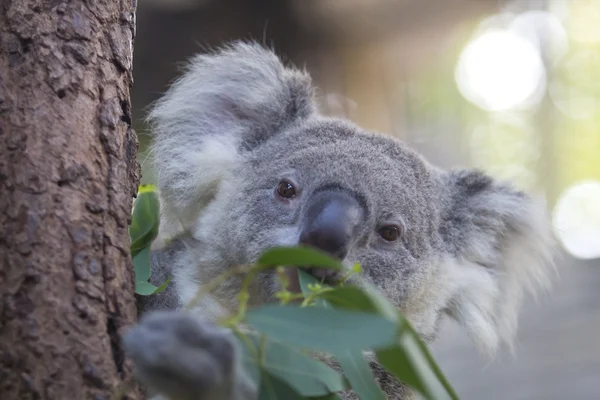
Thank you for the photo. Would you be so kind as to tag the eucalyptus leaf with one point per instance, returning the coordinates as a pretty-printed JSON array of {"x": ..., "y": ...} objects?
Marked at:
[
  {"x": 141, "y": 265},
  {"x": 163, "y": 286},
  {"x": 322, "y": 329},
  {"x": 248, "y": 357},
  {"x": 141, "y": 268},
  {"x": 308, "y": 376},
  {"x": 358, "y": 372},
  {"x": 382, "y": 305},
  {"x": 432, "y": 363},
  {"x": 274, "y": 388},
  {"x": 145, "y": 219},
  {"x": 305, "y": 279},
  {"x": 410, "y": 362},
  {"x": 144, "y": 288},
  {"x": 358, "y": 299},
  {"x": 330, "y": 396},
  {"x": 299, "y": 257}
]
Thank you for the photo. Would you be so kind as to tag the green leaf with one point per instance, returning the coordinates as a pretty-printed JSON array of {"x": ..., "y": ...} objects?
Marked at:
[
  {"x": 274, "y": 388},
  {"x": 308, "y": 376},
  {"x": 145, "y": 219},
  {"x": 411, "y": 362},
  {"x": 144, "y": 288},
  {"x": 299, "y": 257},
  {"x": 434, "y": 366},
  {"x": 147, "y": 189},
  {"x": 306, "y": 279},
  {"x": 359, "y": 373},
  {"x": 322, "y": 329},
  {"x": 409, "y": 359},
  {"x": 249, "y": 361},
  {"x": 163, "y": 286},
  {"x": 330, "y": 396},
  {"x": 141, "y": 265},
  {"x": 357, "y": 299}
]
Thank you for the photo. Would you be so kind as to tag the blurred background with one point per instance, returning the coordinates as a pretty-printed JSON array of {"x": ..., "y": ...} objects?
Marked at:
[{"x": 511, "y": 87}]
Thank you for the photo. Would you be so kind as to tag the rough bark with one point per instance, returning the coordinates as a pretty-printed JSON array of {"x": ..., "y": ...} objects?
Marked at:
[{"x": 67, "y": 177}]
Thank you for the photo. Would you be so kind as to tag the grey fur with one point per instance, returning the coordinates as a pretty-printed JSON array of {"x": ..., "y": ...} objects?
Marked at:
[{"x": 237, "y": 123}]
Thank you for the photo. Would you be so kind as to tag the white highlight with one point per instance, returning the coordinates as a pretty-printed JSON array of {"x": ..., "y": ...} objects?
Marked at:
[
  {"x": 500, "y": 70},
  {"x": 544, "y": 31},
  {"x": 577, "y": 219}
]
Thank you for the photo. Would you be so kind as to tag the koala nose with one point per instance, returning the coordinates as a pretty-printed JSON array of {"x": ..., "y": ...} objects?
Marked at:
[{"x": 330, "y": 223}]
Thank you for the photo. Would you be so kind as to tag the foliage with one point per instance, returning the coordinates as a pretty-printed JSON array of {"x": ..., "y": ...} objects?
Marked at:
[
  {"x": 145, "y": 221},
  {"x": 284, "y": 345}
]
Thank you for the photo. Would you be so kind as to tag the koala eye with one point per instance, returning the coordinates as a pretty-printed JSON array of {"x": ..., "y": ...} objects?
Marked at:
[
  {"x": 391, "y": 233},
  {"x": 286, "y": 189}
]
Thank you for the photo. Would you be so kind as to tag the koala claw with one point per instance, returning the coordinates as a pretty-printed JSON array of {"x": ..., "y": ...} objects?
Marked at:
[{"x": 182, "y": 356}]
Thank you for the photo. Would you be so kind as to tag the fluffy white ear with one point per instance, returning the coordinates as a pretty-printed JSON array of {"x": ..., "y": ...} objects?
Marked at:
[
  {"x": 501, "y": 246},
  {"x": 225, "y": 103}
]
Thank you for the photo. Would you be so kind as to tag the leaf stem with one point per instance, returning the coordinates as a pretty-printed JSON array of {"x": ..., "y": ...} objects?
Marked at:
[{"x": 215, "y": 283}]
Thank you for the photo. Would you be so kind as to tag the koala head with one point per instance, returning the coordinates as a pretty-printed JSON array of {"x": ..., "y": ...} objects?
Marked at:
[{"x": 245, "y": 162}]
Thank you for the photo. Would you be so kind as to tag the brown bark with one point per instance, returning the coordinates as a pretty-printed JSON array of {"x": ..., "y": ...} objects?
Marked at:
[{"x": 67, "y": 177}]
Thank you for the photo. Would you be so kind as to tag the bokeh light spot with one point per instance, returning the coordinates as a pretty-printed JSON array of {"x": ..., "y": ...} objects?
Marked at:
[
  {"x": 500, "y": 70},
  {"x": 577, "y": 219}
]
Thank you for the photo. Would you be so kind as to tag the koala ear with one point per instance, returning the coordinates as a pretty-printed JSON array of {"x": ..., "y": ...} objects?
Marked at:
[
  {"x": 224, "y": 104},
  {"x": 501, "y": 246}
]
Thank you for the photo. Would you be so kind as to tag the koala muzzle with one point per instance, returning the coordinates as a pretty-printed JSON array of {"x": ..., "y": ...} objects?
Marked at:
[{"x": 330, "y": 224}]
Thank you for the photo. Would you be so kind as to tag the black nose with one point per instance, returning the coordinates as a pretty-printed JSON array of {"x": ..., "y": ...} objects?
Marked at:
[{"x": 331, "y": 222}]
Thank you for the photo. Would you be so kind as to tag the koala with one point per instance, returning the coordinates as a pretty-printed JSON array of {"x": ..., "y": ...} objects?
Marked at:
[{"x": 245, "y": 162}]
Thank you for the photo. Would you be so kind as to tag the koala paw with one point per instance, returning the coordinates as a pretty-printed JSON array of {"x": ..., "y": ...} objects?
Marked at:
[{"x": 182, "y": 355}]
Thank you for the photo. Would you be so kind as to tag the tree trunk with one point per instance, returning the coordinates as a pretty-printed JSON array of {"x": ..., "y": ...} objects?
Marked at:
[{"x": 68, "y": 172}]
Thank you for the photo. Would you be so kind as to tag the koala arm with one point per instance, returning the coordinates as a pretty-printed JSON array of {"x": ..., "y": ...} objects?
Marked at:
[{"x": 183, "y": 356}]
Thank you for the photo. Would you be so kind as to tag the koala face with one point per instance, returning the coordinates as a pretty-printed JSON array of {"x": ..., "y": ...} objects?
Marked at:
[
  {"x": 383, "y": 199},
  {"x": 245, "y": 162}
]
